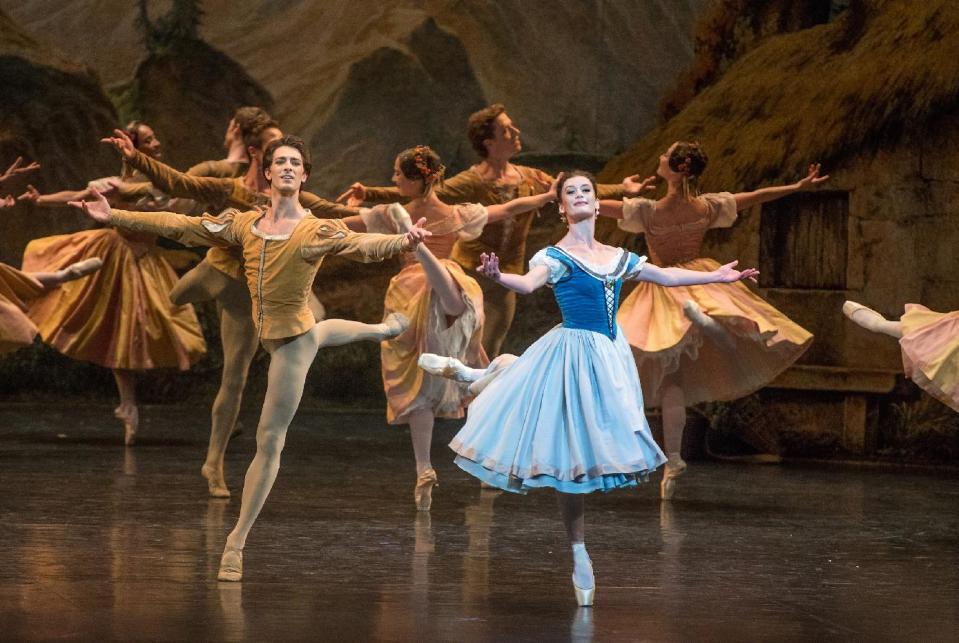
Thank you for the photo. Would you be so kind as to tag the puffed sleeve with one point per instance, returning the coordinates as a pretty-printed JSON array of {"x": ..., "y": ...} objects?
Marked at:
[
  {"x": 473, "y": 217},
  {"x": 721, "y": 209},
  {"x": 636, "y": 212},
  {"x": 556, "y": 268},
  {"x": 377, "y": 219},
  {"x": 634, "y": 266}
]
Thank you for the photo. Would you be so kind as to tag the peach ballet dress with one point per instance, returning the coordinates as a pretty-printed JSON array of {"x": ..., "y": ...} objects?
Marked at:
[
  {"x": 16, "y": 290},
  {"x": 120, "y": 317},
  {"x": 408, "y": 387},
  {"x": 930, "y": 352},
  {"x": 665, "y": 341}
]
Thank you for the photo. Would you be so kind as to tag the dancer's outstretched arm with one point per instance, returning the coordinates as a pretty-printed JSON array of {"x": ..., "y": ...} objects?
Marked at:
[
  {"x": 632, "y": 186},
  {"x": 522, "y": 204},
  {"x": 190, "y": 231},
  {"x": 16, "y": 168},
  {"x": 523, "y": 284},
  {"x": 764, "y": 195},
  {"x": 683, "y": 277},
  {"x": 167, "y": 179},
  {"x": 362, "y": 247}
]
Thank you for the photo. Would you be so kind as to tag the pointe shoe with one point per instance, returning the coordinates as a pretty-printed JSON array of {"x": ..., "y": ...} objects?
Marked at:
[
  {"x": 131, "y": 421},
  {"x": 83, "y": 268},
  {"x": 584, "y": 596},
  {"x": 395, "y": 324},
  {"x": 718, "y": 334},
  {"x": 448, "y": 367},
  {"x": 423, "y": 492},
  {"x": 231, "y": 565},
  {"x": 400, "y": 217},
  {"x": 215, "y": 483},
  {"x": 672, "y": 470},
  {"x": 866, "y": 314}
]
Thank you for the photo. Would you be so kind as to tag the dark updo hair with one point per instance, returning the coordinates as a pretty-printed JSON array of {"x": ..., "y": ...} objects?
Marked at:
[
  {"x": 133, "y": 131},
  {"x": 570, "y": 174},
  {"x": 690, "y": 160},
  {"x": 286, "y": 141},
  {"x": 421, "y": 163},
  {"x": 480, "y": 127}
]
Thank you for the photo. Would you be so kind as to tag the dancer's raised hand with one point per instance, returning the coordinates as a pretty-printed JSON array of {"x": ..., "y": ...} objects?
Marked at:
[
  {"x": 32, "y": 195},
  {"x": 16, "y": 169},
  {"x": 122, "y": 142},
  {"x": 727, "y": 273},
  {"x": 417, "y": 234},
  {"x": 812, "y": 177},
  {"x": 354, "y": 196},
  {"x": 632, "y": 186},
  {"x": 98, "y": 209},
  {"x": 489, "y": 266},
  {"x": 7, "y": 202}
]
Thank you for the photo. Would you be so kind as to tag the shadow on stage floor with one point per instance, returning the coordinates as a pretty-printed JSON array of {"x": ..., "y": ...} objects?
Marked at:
[{"x": 101, "y": 542}]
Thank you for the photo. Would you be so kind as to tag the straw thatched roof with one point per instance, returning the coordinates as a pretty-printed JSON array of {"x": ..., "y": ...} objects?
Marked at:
[{"x": 826, "y": 93}]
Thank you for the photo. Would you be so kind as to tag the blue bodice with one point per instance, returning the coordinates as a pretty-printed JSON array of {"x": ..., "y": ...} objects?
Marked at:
[{"x": 589, "y": 300}]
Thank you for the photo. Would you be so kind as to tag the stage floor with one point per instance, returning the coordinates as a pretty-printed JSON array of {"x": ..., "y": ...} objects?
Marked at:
[{"x": 106, "y": 543}]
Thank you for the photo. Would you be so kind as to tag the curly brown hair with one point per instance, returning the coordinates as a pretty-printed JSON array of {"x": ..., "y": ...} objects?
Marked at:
[{"x": 481, "y": 125}]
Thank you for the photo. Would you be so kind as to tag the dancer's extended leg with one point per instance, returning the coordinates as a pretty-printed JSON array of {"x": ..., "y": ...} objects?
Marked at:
[
  {"x": 289, "y": 364},
  {"x": 871, "y": 320},
  {"x": 445, "y": 288},
  {"x": 673, "y": 402},
  {"x": 71, "y": 272}
]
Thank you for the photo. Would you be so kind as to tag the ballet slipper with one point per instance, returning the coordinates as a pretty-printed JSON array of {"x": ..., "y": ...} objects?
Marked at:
[
  {"x": 231, "y": 565},
  {"x": 448, "y": 367},
  {"x": 216, "y": 485},
  {"x": 396, "y": 324},
  {"x": 867, "y": 317}
]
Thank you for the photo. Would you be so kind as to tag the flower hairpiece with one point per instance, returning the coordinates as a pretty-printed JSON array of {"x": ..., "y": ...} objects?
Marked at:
[{"x": 419, "y": 160}]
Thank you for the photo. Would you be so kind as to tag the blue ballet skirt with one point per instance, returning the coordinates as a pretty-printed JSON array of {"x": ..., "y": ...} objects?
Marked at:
[{"x": 568, "y": 413}]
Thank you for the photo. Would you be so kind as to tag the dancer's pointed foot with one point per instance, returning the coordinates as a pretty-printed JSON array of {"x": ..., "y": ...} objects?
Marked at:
[
  {"x": 862, "y": 315},
  {"x": 448, "y": 367},
  {"x": 215, "y": 482},
  {"x": 584, "y": 584},
  {"x": 674, "y": 468},
  {"x": 130, "y": 416},
  {"x": 231, "y": 565},
  {"x": 395, "y": 324},
  {"x": 719, "y": 334},
  {"x": 423, "y": 492},
  {"x": 82, "y": 268}
]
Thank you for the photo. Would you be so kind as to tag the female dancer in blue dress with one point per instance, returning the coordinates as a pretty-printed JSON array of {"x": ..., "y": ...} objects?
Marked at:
[{"x": 568, "y": 413}]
